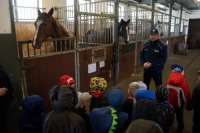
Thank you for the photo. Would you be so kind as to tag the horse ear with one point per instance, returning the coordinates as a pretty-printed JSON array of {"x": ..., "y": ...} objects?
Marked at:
[
  {"x": 50, "y": 13},
  {"x": 39, "y": 12},
  {"x": 128, "y": 21},
  {"x": 121, "y": 21}
]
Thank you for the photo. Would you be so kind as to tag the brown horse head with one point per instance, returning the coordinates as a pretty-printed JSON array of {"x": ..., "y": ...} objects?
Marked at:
[{"x": 47, "y": 26}]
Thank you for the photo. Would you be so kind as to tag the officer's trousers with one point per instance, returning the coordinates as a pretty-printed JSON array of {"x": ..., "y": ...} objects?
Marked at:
[{"x": 156, "y": 75}]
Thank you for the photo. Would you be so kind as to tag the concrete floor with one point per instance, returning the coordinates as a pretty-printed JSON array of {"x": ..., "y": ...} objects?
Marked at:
[{"x": 191, "y": 62}]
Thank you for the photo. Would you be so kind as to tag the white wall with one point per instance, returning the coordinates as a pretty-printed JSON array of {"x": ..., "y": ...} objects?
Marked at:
[
  {"x": 5, "y": 26},
  {"x": 195, "y": 14},
  {"x": 53, "y": 3}
]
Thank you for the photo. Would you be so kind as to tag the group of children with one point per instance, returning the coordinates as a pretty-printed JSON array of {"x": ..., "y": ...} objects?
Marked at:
[{"x": 103, "y": 110}]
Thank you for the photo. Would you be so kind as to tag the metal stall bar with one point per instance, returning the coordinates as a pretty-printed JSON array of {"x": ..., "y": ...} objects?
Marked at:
[
  {"x": 170, "y": 16},
  {"x": 116, "y": 45},
  {"x": 136, "y": 44},
  {"x": 152, "y": 13},
  {"x": 77, "y": 64},
  {"x": 180, "y": 21}
]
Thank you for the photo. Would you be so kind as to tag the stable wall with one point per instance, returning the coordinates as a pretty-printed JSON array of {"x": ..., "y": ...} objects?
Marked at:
[
  {"x": 48, "y": 4},
  {"x": 8, "y": 49}
]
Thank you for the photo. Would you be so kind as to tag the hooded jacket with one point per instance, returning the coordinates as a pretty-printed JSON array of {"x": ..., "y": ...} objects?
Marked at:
[
  {"x": 179, "y": 92},
  {"x": 62, "y": 119},
  {"x": 116, "y": 101},
  {"x": 194, "y": 104},
  {"x": 145, "y": 109},
  {"x": 143, "y": 126},
  {"x": 32, "y": 117}
]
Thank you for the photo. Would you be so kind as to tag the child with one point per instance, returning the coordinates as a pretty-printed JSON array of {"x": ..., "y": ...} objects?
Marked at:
[
  {"x": 130, "y": 101},
  {"x": 67, "y": 80},
  {"x": 82, "y": 108},
  {"x": 116, "y": 100},
  {"x": 145, "y": 107},
  {"x": 194, "y": 104},
  {"x": 97, "y": 88},
  {"x": 104, "y": 120},
  {"x": 165, "y": 112},
  {"x": 32, "y": 117},
  {"x": 179, "y": 93},
  {"x": 83, "y": 98},
  {"x": 62, "y": 119},
  {"x": 143, "y": 126}
]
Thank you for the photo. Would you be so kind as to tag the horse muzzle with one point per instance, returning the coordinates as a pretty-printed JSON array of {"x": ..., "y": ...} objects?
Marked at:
[{"x": 36, "y": 46}]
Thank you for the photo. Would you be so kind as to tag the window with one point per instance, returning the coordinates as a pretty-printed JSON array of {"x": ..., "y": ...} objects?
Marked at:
[
  {"x": 26, "y": 10},
  {"x": 71, "y": 2},
  {"x": 121, "y": 12},
  {"x": 110, "y": 8}
]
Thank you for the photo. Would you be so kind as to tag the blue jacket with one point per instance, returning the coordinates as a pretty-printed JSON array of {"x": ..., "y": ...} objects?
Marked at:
[{"x": 155, "y": 53}]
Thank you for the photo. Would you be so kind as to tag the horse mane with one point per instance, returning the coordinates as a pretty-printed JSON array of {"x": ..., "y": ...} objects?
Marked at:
[{"x": 58, "y": 29}]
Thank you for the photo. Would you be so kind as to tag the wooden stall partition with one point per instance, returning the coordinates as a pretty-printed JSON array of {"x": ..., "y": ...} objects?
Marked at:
[
  {"x": 100, "y": 60},
  {"x": 44, "y": 72},
  {"x": 173, "y": 44},
  {"x": 139, "y": 67},
  {"x": 126, "y": 60}
]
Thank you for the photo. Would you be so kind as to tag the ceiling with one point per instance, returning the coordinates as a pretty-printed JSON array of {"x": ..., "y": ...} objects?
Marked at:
[{"x": 188, "y": 4}]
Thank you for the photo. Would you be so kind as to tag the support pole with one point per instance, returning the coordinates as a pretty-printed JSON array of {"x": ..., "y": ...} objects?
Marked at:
[
  {"x": 116, "y": 43},
  {"x": 152, "y": 13},
  {"x": 170, "y": 17},
  {"x": 180, "y": 21},
  {"x": 77, "y": 64},
  {"x": 136, "y": 43}
]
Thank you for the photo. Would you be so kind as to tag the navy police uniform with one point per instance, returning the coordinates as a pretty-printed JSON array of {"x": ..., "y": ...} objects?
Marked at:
[{"x": 154, "y": 52}]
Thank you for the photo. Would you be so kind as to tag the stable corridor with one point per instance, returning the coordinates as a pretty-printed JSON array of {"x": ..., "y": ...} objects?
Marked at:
[{"x": 191, "y": 63}]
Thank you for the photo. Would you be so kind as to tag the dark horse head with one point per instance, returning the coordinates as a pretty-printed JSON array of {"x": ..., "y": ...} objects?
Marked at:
[
  {"x": 124, "y": 30},
  {"x": 47, "y": 26}
]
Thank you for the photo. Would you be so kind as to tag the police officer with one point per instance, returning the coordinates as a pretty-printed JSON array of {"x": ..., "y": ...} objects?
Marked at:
[{"x": 153, "y": 57}]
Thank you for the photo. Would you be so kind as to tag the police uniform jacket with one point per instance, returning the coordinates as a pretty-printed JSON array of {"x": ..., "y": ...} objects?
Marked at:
[{"x": 155, "y": 53}]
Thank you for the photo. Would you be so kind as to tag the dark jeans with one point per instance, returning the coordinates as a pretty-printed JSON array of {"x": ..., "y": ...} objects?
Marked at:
[
  {"x": 179, "y": 114},
  {"x": 179, "y": 118},
  {"x": 156, "y": 75}
]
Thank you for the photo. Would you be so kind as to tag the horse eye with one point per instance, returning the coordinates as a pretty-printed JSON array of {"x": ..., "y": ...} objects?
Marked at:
[{"x": 44, "y": 24}]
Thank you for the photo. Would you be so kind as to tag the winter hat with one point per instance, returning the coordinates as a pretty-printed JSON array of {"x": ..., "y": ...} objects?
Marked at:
[
  {"x": 177, "y": 68},
  {"x": 162, "y": 93},
  {"x": 103, "y": 120},
  {"x": 33, "y": 104},
  {"x": 145, "y": 94},
  {"x": 97, "y": 86},
  {"x": 144, "y": 126},
  {"x": 133, "y": 86},
  {"x": 137, "y": 85},
  {"x": 115, "y": 98},
  {"x": 82, "y": 97},
  {"x": 63, "y": 97},
  {"x": 66, "y": 80}
]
